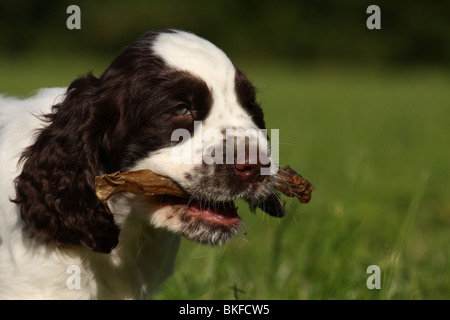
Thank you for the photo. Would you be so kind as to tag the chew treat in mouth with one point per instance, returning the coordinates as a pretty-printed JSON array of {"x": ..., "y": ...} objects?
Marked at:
[
  {"x": 291, "y": 184},
  {"x": 144, "y": 182},
  {"x": 147, "y": 182},
  {"x": 202, "y": 220}
]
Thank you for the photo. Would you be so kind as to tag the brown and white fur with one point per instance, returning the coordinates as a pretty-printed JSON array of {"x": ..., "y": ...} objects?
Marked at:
[{"x": 57, "y": 240}]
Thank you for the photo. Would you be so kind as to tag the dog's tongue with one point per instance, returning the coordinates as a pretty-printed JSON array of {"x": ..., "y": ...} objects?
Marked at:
[{"x": 216, "y": 213}]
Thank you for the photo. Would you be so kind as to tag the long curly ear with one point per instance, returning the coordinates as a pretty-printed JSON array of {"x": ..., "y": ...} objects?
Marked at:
[{"x": 55, "y": 190}]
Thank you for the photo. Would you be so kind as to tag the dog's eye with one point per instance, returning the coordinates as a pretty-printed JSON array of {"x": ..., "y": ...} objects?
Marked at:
[{"x": 182, "y": 110}]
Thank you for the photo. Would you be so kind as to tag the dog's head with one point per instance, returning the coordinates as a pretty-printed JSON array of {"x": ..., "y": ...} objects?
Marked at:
[{"x": 171, "y": 102}]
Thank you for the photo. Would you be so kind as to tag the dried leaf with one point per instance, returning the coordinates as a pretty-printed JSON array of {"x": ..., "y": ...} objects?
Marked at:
[
  {"x": 144, "y": 182},
  {"x": 292, "y": 184}
]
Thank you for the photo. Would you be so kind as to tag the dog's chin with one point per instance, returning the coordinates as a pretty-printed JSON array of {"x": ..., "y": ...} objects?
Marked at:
[{"x": 212, "y": 223}]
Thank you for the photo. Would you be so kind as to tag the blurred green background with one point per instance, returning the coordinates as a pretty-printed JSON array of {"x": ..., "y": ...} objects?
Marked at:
[{"x": 363, "y": 114}]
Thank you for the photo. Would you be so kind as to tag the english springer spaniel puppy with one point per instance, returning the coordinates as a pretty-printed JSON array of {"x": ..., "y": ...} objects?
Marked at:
[{"x": 57, "y": 240}]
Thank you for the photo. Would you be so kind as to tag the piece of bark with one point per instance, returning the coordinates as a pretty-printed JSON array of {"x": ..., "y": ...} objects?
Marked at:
[
  {"x": 292, "y": 184},
  {"x": 147, "y": 182},
  {"x": 144, "y": 182}
]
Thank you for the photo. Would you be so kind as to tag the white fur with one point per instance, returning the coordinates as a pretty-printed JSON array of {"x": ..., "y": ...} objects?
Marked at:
[{"x": 29, "y": 270}]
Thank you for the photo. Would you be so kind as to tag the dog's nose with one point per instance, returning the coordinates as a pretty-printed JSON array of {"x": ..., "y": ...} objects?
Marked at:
[{"x": 249, "y": 172}]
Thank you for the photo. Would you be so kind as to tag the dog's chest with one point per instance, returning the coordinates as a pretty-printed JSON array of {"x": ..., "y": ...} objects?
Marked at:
[{"x": 136, "y": 268}]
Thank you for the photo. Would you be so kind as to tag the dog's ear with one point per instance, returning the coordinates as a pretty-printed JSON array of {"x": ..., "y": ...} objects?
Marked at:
[{"x": 55, "y": 189}]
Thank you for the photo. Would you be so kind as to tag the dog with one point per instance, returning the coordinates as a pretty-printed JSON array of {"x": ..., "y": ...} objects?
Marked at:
[{"x": 57, "y": 240}]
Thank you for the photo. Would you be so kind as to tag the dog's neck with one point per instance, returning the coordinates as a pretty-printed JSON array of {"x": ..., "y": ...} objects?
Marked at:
[{"x": 140, "y": 263}]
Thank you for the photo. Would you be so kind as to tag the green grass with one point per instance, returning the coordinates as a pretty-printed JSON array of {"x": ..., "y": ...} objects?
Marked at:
[
  {"x": 376, "y": 147},
  {"x": 375, "y": 144}
]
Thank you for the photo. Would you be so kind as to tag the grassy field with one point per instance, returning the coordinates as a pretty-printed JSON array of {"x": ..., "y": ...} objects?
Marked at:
[{"x": 375, "y": 144}]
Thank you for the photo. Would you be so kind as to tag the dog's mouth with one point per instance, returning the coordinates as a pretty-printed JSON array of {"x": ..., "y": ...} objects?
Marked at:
[
  {"x": 209, "y": 217},
  {"x": 221, "y": 214},
  {"x": 203, "y": 221},
  {"x": 212, "y": 213}
]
